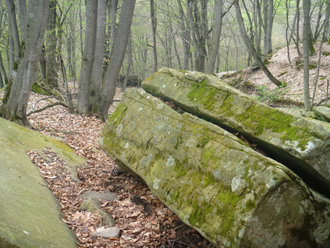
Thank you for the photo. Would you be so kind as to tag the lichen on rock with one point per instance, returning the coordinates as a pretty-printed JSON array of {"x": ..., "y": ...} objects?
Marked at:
[
  {"x": 212, "y": 180},
  {"x": 300, "y": 143}
]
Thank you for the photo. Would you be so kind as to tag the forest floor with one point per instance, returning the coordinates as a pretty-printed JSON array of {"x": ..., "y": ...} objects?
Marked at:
[
  {"x": 143, "y": 220},
  {"x": 256, "y": 83}
]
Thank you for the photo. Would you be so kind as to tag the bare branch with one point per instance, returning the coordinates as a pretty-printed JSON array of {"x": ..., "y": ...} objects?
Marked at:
[{"x": 45, "y": 107}]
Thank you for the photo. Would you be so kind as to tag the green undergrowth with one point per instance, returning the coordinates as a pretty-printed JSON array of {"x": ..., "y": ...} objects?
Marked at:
[{"x": 269, "y": 96}]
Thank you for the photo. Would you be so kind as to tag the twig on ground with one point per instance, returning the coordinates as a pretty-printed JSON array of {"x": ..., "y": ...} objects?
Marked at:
[{"x": 45, "y": 107}]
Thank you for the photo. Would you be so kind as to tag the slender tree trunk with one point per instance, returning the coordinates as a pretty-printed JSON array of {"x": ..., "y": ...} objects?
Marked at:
[
  {"x": 51, "y": 40},
  {"x": 174, "y": 45},
  {"x": 269, "y": 32},
  {"x": 15, "y": 106},
  {"x": 298, "y": 28},
  {"x": 11, "y": 63},
  {"x": 287, "y": 7},
  {"x": 13, "y": 25},
  {"x": 250, "y": 46},
  {"x": 3, "y": 72},
  {"x": 318, "y": 26},
  {"x": 325, "y": 36},
  {"x": 129, "y": 62},
  {"x": 154, "y": 28},
  {"x": 117, "y": 57},
  {"x": 113, "y": 26},
  {"x": 81, "y": 31},
  {"x": 306, "y": 39},
  {"x": 215, "y": 40},
  {"x": 185, "y": 34},
  {"x": 97, "y": 73},
  {"x": 88, "y": 58},
  {"x": 43, "y": 63}
]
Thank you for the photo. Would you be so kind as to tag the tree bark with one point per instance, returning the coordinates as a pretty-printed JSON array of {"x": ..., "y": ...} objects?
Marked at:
[
  {"x": 185, "y": 34},
  {"x": 325, "y": 36},
  {"x": 117, "y": 57},
  {"x": 22, "y": 17},
  {"x": 88, "y": 58},
  {"x": 81, "y": 31},
  {"x": 13, "y": 24},
  {"x": 250, "y": 46},
  {"x": 51, "y": 40},
  {"x": 215, "y": 40},
  {"x": 268, "y": 46},
  {"x": 154, "y": 28},
  {"x": 3, "y": 72},
  {"x": 15, "y": 106},
  {"x": 43, "y": 63},
  {"x": 306, "y": 40},
  {"x": 97, "y": 73}
]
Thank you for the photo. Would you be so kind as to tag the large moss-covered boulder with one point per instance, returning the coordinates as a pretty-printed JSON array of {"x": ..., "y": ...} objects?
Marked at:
[
  {"x": 29, "y": 213},
  {"x": 214, "y": 182},
  {"x": 300, "y": 143}
]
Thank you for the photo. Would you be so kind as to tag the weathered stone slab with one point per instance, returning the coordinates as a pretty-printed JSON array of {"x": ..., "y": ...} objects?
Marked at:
[
  {"x": 322, "y": 113},
  {"x": 213, "y": 181},
  {"x": 300, "y": 143},
  {"x": 29, "y": 215}
]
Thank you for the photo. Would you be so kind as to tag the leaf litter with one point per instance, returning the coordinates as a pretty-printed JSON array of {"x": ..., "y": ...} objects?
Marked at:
[{"x": 143, "y": 220}]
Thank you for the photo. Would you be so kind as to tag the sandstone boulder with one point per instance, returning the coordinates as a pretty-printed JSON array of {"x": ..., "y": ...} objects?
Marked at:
[
  {"x": 30, "y": 215},
  {"x": 214, "y": 182},
  {"x": 300, "y": 143}
]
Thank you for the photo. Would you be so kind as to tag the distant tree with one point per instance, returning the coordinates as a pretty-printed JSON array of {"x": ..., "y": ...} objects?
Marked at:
[
  {"x": 154, "y": 29},
  {"x": 88, "y": 57},
  {"x": 97, "y": 72},
  {"x": 250, "y": 46},
  {"x": 306, "y": 51},
  {"x": 215, "y": 40},
  {"x": 117, "y": 56},
  {"x": 51, "y": 43}
]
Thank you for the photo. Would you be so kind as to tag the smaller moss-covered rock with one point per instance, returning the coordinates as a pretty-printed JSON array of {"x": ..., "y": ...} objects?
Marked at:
[
  {"x": 322, "y": 113},
  {"x": 213, "y": 181}
]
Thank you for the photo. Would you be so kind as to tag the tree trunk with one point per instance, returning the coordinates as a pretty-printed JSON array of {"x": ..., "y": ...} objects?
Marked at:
[
  {"x": 250, "y": 46},
  {"x": 113, "y": 15},
  {"x": 13, "y": 24},
  {"x": 15, "y": 106},
  {"x": 306, "y": 40},
  {"x": 51, "y": 61},
  {"x": 81, "y": 31},
  {"x": 3, "y": 72},
  {"x": 43, "y": 63},
  {"x": 88, "y": 58},
  {"x": 318, "y": 26},
  {"x": 215, "y": 40},
  {"x": 268, "y": 46},
  {"x": 22, "y": 17},
  {"x": 117, "y": 57},
  {"x": 129, "y": 62},
  {"x": 97, "y": 73},
  {"x": 325, "y": 36},
  {"x": 185, "y": 33},
  {"x": 154, "y": 28}
]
